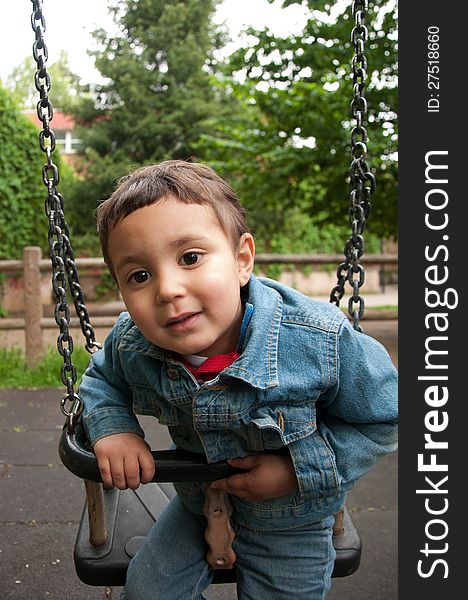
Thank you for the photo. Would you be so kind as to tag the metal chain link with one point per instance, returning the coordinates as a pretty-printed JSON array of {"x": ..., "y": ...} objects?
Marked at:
[
  {"x": 61, "y": 252},
  {"x": 362, "y": 181}
]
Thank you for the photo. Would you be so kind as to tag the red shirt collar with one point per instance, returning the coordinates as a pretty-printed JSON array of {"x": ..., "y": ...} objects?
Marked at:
[{"x": 212, "y": 365}]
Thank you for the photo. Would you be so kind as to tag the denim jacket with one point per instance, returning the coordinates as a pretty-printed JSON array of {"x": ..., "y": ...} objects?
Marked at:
[{"x": 305, "y": 380}]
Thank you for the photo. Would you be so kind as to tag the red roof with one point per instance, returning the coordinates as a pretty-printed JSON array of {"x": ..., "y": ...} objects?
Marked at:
[{"x": 60, "y": 120}]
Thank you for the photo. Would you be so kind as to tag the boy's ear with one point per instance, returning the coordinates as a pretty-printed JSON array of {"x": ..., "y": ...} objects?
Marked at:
[{"x": 245, "y": 258}]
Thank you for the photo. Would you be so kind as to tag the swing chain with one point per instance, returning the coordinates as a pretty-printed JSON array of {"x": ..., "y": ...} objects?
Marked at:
[
  {"x": 362, "y": 181},
  {"x": 61, "y": 252}
]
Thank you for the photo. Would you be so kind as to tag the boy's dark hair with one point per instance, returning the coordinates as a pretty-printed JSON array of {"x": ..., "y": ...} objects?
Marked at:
[{"x": 191, "y": 183}]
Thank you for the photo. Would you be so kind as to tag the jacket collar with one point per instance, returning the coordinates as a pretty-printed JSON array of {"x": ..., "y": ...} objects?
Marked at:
[
  {"x": 134, "y": 341},
  {"x": 258, "y": 363}
]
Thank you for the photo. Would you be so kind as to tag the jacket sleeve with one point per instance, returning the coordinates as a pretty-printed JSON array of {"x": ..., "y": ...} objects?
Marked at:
[
  {"x": 356, "y": 417},
  {"x": 107, "y": 397}
]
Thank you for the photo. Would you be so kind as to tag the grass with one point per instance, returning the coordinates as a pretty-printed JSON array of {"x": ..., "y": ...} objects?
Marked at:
[
  {"x": 385, "y": 307},
  {"x": 15, "y": 372}
]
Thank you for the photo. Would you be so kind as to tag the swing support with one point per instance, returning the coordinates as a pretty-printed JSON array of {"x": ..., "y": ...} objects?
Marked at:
[{"x": 96, "y": 513}]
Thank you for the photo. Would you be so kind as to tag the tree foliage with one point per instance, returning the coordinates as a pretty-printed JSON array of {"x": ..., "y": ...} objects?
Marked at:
[
  {"x": 22, "y": 192},
  {"x": 158, "y": 94},
  {"x": 286, "y": 145},
  {"x": 274, "y": 118},
  {"x": 65, "y": 89}
]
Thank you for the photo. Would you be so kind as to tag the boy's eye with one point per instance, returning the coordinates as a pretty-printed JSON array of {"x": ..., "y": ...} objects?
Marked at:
[
  {"x": 190, "y": 258},
  {"x": 139, "y": 276}
]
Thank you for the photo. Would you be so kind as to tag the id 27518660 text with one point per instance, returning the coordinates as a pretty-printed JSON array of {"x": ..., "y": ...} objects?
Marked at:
[{"x": 433, "y": 69}]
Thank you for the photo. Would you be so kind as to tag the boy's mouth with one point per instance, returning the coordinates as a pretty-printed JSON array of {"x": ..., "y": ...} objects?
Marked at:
[{"x": 183, "y": 320}]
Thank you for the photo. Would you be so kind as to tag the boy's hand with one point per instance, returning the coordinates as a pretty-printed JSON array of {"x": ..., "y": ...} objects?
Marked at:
[
  {"x": 269, "y": 476},
  {"x": 120, "y": 458}
]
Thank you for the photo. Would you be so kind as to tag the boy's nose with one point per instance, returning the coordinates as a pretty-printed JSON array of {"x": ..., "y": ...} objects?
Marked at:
[{"x": 168, "y": 288}]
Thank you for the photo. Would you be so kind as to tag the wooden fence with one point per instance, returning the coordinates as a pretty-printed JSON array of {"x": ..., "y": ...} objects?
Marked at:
[{"x": 32, "y": 265}]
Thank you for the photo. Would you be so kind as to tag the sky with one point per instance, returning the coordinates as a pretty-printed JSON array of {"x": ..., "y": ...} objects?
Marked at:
[{"x": 69, "y": 28}]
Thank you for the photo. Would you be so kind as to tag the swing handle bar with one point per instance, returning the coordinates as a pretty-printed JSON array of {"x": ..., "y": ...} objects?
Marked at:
[{"x": 171, "y": 465}]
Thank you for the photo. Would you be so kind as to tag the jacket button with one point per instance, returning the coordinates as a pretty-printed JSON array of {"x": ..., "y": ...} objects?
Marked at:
[
  {"x": 173, "y": 374},
  {"x": 219, "y": 387}
]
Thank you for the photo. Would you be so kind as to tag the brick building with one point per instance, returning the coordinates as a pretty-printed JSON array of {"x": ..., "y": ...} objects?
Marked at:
[{"x": 63, "y": 126}]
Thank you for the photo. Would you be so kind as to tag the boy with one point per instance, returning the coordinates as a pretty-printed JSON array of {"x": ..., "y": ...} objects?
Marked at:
[{"x": 238, "y": 368}]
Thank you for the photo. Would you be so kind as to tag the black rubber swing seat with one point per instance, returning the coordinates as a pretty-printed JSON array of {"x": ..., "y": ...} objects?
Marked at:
[{"x": 130, "y": 514}]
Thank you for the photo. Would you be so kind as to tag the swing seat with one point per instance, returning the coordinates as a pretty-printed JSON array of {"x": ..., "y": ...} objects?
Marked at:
[{"x": 130, "y": 514}]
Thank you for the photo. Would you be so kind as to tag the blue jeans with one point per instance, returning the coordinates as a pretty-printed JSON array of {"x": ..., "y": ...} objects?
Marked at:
[{"x": 271, "y": 565}]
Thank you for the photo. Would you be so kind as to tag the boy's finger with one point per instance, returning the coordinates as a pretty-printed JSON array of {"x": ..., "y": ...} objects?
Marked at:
[
  {"x": 105, "y": 470},
  {"x": 235, "y": 485},
  {"x": 118, "y": 475},
  {"x": 219, "y": 484},
  {"x": 246, "y": 462},
  {"x": 147, "y": 467},
  {"x": 132, "y": 472}
]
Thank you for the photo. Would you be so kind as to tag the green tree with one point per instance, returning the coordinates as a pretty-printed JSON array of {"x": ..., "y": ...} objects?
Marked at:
[
  {"x": 157, "y": 98},
  {"x": 287, "y": 145},
  {"x": 22, "y": 193},
  {"x": 65, "y": 91}
]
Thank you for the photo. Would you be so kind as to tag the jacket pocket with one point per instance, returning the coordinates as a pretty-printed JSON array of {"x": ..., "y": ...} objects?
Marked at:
[
  {"x": 147, "y": 402},
  {"x": 269, "y": 428}
]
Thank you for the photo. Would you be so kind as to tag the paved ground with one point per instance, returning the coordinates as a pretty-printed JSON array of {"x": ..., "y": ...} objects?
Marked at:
[{"x": 41, "y": 503}]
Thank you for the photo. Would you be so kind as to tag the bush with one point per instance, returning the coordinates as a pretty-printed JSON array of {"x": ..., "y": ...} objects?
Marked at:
[
  {"x": 307, "y": 236},
  {"x": 22, "y": 192}
]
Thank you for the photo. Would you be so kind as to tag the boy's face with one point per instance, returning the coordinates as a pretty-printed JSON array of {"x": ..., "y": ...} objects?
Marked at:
[{"x": 180, "y": 277}]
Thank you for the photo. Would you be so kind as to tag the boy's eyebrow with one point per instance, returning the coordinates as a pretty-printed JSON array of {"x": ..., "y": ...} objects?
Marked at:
[
  {"x": 133, "y": 258},
  {"x": 188, "y": 240},
  {"x": 126, "y": 260}
]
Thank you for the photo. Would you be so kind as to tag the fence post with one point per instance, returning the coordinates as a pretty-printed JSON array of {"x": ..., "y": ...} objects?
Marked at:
[{"x": 32, "y": 304}]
